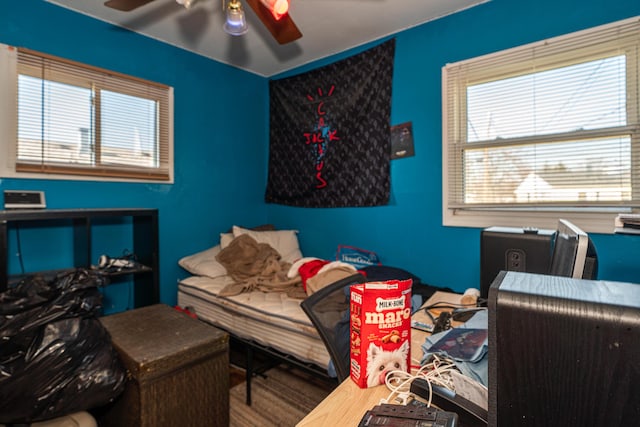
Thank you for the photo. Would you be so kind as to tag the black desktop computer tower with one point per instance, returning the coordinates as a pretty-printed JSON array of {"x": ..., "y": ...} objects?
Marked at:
[{"x": 513, "y": 249}]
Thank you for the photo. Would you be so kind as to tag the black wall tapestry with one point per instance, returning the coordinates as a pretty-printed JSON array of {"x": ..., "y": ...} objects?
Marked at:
[{"x": 329, "y": 142}]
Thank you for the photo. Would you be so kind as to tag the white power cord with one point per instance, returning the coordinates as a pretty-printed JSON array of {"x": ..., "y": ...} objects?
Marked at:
[{"x": 437, "y": 371}]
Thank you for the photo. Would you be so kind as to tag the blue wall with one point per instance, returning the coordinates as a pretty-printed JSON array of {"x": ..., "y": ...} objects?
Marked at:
[
  {"x": 221, "y": 162},
  {"x": 409, "y": 233},
  {"x": 220, "y": 122}
]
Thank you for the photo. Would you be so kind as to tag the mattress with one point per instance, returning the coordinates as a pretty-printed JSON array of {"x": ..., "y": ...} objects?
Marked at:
[{"x": 271, "y": 319}]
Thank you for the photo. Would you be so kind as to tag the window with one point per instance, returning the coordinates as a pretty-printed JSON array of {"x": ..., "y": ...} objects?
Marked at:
[
  {"x": 545, "y": 130},
  {"x": 72, "y": 120}
]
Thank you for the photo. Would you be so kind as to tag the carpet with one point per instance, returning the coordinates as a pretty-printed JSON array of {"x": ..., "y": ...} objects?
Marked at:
[{"x": 280, "y": 397}]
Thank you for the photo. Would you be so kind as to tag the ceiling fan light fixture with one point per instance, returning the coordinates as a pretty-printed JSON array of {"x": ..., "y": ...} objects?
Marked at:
[
  {"x": 186, "y": 3},
  {"x": 236, "y": 22},
  {"x": 278, "y": 8}
]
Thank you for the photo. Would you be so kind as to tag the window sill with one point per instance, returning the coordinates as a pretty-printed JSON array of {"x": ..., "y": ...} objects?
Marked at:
[{"x": 590, "y": 222}]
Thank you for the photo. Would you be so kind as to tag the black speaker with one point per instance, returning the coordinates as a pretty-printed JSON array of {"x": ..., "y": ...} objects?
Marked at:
[
  {"x": 513, "y": 249},
  {"x": 563, "y": 351}
]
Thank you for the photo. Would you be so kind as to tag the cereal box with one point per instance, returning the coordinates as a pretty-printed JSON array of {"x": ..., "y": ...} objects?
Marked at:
[{"x": 380, "y": 320}]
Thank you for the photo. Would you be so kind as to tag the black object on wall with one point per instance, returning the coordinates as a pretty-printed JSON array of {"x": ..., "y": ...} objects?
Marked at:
[
  {"x": 402, "y": 141},
  {"x": 513, "y": 249},
  {"x": 329, "y": 133}
]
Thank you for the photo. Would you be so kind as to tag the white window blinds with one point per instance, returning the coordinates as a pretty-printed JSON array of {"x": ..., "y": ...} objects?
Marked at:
[
  {"x": 79, "y": 120},
  {"x": 553, "y": 124}
]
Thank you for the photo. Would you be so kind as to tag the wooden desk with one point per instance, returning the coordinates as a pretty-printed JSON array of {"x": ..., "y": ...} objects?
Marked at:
[{"x": 347, "y": 404}]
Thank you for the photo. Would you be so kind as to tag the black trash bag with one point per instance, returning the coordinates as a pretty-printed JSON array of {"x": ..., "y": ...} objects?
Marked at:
[{"x": 56, "y": 357}]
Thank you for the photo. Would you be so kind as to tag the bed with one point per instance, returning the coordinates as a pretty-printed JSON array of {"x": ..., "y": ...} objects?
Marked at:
[
  {"x": 272, "y": 320},
  {"x": 226, "y": 290}
]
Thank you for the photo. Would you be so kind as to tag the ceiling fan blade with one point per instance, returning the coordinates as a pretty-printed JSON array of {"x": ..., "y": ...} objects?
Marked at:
[
  {"x": 126, "y": 5},
  {"x": 283, "y": 30}
]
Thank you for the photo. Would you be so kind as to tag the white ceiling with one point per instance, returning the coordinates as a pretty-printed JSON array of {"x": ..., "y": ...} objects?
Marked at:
[{"x": 327, "y": 26}]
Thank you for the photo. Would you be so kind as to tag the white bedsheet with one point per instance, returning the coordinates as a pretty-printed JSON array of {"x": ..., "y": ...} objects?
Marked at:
[{"x": 271, "y": 319}]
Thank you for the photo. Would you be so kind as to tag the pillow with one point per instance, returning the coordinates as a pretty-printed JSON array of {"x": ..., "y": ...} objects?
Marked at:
[
  {"x": 204, "y": 263},
  {"x": 261, "y": 227},
  {"x": 283, "y": 241},
  {"x": 225, "y": 239}
]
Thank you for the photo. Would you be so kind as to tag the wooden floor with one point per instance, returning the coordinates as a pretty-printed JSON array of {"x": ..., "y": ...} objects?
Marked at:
[
  {"x": 281, "y": 397},
  {"x": 236, "y": 376},
  {"x": 273, "y": 403},
  {"x": 238, "y": 362}
]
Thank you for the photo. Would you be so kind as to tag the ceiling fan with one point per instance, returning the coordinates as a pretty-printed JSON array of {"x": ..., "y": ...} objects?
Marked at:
[{"x": 281, "y": 26}]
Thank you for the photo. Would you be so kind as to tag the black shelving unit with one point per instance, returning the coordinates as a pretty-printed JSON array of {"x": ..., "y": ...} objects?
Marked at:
[{"x": 145, "y": 243}]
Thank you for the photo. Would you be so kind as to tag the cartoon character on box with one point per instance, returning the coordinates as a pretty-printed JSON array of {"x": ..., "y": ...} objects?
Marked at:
[
  {"x": 380, "y": 362},
  {"x": 380, "y": 330}
]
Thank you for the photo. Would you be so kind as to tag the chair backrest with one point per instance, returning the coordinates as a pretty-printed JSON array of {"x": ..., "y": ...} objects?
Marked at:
[{"x": 328, "y": 310}]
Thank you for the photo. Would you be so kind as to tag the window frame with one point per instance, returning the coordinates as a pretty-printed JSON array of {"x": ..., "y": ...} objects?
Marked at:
[
  {"x": 79, "y": 75},
  {"x": 591, "y": 218}
]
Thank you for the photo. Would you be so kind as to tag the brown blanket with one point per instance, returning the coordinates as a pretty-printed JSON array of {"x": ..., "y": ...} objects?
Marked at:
[{"x": 257, "y": 266}]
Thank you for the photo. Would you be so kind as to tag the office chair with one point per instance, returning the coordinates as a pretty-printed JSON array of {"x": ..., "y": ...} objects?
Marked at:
[{"x": 328, "y": 310}]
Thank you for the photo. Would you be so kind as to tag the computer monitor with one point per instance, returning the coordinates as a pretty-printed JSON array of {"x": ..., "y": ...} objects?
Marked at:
[
  {"x": 574, "y": 253},
  {"x": 563, "y": 351}
]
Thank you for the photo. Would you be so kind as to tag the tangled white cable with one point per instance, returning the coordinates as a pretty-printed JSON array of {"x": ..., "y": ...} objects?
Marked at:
[{"x": 437, "y": 371}]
